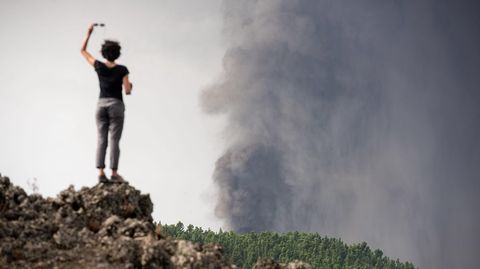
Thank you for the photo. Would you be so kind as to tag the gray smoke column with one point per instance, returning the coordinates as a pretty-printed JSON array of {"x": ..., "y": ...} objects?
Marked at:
[{"x": 354, "y": 119}]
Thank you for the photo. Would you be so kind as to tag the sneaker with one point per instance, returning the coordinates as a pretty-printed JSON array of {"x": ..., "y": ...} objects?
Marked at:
[
  {"x": 117, "y": 179},
  {"x": 102, "y": 179}
]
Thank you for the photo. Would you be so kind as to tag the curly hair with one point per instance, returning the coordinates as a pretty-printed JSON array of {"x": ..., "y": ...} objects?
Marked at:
[{"x": 111, "y": 50}]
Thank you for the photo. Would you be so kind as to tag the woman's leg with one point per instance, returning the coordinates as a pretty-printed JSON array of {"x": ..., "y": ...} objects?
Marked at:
[
  {"x": 117, "y": 116},
  {"x": 103, "y": 122}
]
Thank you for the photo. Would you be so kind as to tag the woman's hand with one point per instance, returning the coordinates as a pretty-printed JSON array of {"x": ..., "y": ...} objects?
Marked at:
[{"x": 90, "y": 28}]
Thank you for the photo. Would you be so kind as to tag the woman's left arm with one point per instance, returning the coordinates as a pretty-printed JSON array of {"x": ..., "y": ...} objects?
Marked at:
[
  {"x": 127, "y": 85},
  {"x": 83, "y": 49}
]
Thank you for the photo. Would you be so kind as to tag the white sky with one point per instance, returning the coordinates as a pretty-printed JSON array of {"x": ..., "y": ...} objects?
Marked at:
[{"x": 48, "y": 94}]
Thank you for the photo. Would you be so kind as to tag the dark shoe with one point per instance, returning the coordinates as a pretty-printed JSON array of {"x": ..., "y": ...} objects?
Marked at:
[
  {"x": 102, "y": 179},
  {"x": 117, "y": 179}
]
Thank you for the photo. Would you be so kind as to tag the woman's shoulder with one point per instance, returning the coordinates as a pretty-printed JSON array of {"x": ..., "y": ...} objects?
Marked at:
[
  {"x": 98, "y": 64},
  {"x": 123, "y": 68}
]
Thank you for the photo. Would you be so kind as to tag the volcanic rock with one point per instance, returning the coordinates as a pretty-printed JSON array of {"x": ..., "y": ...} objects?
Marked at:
[{"x": 106, "y": 226}]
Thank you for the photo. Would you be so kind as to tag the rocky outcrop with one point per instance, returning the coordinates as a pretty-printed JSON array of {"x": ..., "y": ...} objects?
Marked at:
[{"x": 105, "y": 226}]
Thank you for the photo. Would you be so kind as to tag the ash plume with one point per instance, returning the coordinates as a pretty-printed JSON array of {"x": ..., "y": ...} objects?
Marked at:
[{"x": 356, "y": 119}]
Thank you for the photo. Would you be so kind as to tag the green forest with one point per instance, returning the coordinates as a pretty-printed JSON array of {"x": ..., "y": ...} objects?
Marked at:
[{"x": 321, "y": 252}]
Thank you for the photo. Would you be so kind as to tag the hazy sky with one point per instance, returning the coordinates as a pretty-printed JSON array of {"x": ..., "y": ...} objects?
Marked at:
[{"x": 48, "y": 95}]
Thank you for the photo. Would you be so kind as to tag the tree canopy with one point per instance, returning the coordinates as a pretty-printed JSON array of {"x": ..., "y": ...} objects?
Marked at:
[{"x": 321, "y": 252}]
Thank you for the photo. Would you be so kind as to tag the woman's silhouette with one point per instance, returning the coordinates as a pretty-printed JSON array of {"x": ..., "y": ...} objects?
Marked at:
[{"x": 110, "y": 107}]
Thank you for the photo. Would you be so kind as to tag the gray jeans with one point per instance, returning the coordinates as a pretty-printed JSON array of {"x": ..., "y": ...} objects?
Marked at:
[{"x": 109, "y": 116}]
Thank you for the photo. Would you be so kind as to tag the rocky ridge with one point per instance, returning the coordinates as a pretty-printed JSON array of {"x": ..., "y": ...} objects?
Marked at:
[{"x": 101, "y": 227}]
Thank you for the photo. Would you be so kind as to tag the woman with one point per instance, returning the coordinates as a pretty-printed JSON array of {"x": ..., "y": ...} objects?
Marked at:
[{"x": 110, "y": 107}]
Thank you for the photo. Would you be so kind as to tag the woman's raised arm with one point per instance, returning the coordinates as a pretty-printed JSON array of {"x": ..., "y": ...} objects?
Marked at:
[{"x": 83, "y": 50}]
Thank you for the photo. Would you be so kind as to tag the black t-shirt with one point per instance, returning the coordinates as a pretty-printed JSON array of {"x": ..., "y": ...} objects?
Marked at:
[{"x": 110, "y": 79}]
